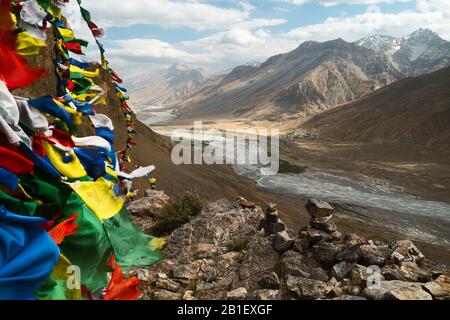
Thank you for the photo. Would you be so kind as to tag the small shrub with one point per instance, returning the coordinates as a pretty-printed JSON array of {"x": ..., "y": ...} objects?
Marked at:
[
  {"x": 239, "y": 244},
  {"x": 183, "y": 262},
  {"x": 279, "y": 269},
  {"x": 178, "y": 211}
]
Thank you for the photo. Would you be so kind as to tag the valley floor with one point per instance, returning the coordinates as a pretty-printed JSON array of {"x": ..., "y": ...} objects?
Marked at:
[{"x": 420, "y": 178}]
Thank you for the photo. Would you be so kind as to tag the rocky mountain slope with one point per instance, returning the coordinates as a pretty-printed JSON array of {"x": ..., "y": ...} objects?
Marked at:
[
  {"x": 421, "y": 52},
  {"x": 167, "y": 86},
  {"x": 310, "y": 79},
  {"x": 414, "y": 111},
  {"x": 235, "y": 252}
]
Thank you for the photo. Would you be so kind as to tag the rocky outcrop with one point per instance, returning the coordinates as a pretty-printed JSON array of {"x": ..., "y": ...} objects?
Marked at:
[
  {"x": 147, "y": 210},
  {"x": 238, "y": 252}
]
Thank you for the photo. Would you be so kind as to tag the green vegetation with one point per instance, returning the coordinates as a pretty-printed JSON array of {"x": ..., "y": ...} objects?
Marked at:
[
  {"x": 239, "y": 244},
  {"x": 280, "y": 270},
  {"x": 177, "y": 212}
]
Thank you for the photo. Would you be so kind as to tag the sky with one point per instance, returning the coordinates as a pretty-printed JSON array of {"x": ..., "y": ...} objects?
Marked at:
[{"x": 217, "y": 35}]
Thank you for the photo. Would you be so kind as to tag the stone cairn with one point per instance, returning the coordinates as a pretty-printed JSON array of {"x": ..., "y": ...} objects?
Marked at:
[{"x": 322, "y": 263}]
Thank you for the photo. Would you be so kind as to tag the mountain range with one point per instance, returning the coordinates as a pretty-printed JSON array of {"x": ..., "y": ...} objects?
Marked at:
[
  {"x": 421, "y": 52},
  {"x": 167, "y": 86},
  {"x": 412, "y": 112},
  {"x": 295, "y": 86}
]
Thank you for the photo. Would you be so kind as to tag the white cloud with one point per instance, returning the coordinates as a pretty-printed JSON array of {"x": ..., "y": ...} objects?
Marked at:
[
  {"x": 337, "y": 2},
  {"x": 354, "y": 27},
  {"x": 148, "y": 50},
  {"x": 246, "y": 39},
  {"x": 166, "y": 13}
]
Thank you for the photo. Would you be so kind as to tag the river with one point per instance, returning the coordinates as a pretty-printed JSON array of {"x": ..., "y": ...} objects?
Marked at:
[{"x": 383, "y": 203}]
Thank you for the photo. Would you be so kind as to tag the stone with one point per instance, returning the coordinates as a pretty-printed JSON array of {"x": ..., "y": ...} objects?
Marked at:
[
  {"x": 272, "y": 213},
  {"x": 328, "y": 227},
  {"x": 354, "y": 290},
  {"x": 165, "y": 295},
  {"x": 308, "y": 288},
  {"x": 266, "y": 295},
  {"x": 360, "y": 275},
  {"x": 398, "y": 290},
  {"x": 273, "y": 227},
  {"x": 300, "y": 245},
  {"x": 270, "y": 282},
  {"x": 188, "y": 295},
  {"x": 143, "y": 274},
  {"x": 282, "y": 241},
  {"x": 435, "y": 268},
  {"x": 397, "y": 257},
  {"x": 353, "y": 239},
  {"x": 336, "y": 236},
  {"x": 237, "y": 294},
  {"x": 407, "y": 249},
  {"x": 167, "y": 284},
  {"x": 411, "y": 292},
  {"x": 347, "y": 297},
  {"x": 313, "y": 236},
  {"x": 444, "y": 282},
  {"x": 188, "y": 271},
  {"x": 435, "y": 289},
  {"x": 294, "y": 264},
  {"x": 342, "y": 269},
  {"x": 259, "y": 261},
  {"x": 326, "y": 253},
  {"x": 350, "y": 254},
  {"x": 244, "y": 203},
  {"x": 319, "y": 209},
  {"x": 150, "y": 205},
  {"x": 407, "y": 271},
  {"x": 375, "y": 255}
]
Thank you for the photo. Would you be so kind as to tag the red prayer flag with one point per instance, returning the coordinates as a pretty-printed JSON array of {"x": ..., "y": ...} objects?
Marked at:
[
  {"x": 13, "y": 67},
  {"x": 64, "y": 229},
  {"x": 15, "y": 162},
  {"x": 120, "y": 288},
  {"x": 74, "y": 47}
]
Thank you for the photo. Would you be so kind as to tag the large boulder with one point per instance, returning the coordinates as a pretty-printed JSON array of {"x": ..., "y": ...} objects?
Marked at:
[
  {"x": 319, "y": 209},
  {"x": 295, "y": 264},
  {"x": 408, "y": 250},
  {"x": 375, "y": 255},
  {"x": 312, "y": 236},
  {"x": 324, "y": 225},
  {"x": 350, "y": 253},
  {"x": 361, "y": 275},
  {"x": 282, "y": 241},
  {"x": 407, "y": 271},
  {"x": 259, "y": 261},
  {"x": 397, "y": 290},
  {"x": 308, "y": 288},
  {"x": 326, "y": 253},
  {"x": 436, "y": 289},
  {"x": 151, "y": 205},
  {"x": 342, "y": 269},
  {"x": 411, "y": 292}
]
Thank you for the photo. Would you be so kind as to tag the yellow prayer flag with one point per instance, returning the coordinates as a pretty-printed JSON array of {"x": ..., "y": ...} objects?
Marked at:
[
  {"x": 28, "y": 45},
  {"x": 88, "y": 74},
  {"x": 66, "y": 33},
  {"x": 99, "y": 197},
  {"x": 72, "y": 170}
]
